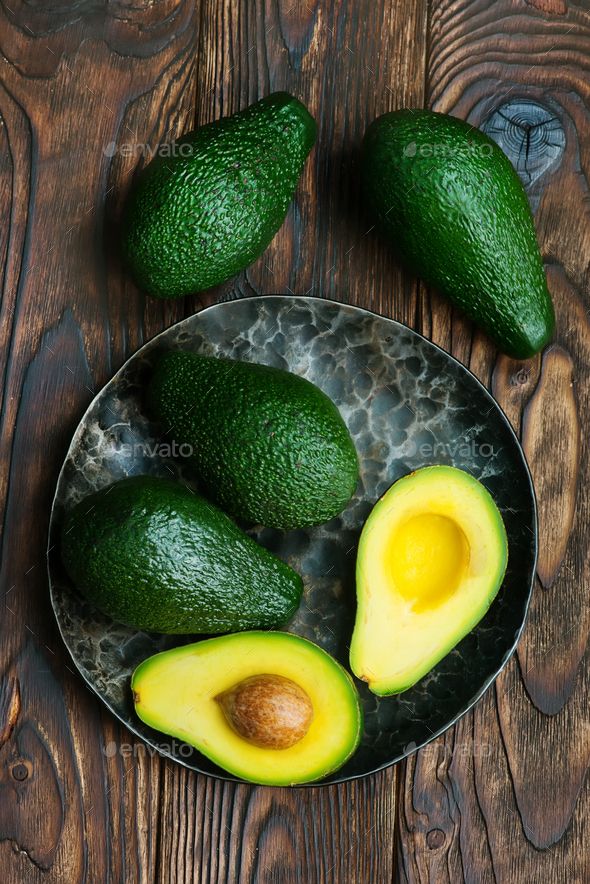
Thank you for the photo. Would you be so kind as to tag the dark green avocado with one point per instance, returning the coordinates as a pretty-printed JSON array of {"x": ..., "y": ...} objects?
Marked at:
[
  {"x": 199, "y": 216},
  {"x": 452, "y": 205},
  {"x": 152, "y": 554},
  {"x": 268, "y": 445}
]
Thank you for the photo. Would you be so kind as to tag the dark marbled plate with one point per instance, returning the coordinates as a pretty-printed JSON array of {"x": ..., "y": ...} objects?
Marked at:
[{"x": 407, "y": 404}]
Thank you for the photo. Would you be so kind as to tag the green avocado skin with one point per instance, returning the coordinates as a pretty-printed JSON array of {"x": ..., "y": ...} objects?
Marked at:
[
  {"x": 268, "y": 445},
  {"x": 198, "y": 217},
  {"x": 152, "y": 554},
  {"x": 452, "y": 205}
]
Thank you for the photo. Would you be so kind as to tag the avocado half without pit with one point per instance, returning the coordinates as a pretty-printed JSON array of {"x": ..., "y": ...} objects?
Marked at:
[
  {"x": 432, "y": 557},
  {"x": 269, "y": 707}
]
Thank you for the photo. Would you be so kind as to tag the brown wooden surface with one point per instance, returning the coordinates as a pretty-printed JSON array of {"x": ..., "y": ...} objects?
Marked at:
[{"x": 501, "y": 797}]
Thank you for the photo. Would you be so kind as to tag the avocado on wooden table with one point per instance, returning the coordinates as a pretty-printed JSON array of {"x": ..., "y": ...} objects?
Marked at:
[
  {"x": 454, "y": 208},
  {"x": 210, "y": 206}
]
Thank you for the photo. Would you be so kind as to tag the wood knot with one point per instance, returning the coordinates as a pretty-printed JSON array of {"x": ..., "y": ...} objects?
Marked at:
[
  {"x": 435, "y": 839},
  {"x": 520, "y": 377},
  {"x": 21, "y": 770},
  {"x": 529, "y": 134}
]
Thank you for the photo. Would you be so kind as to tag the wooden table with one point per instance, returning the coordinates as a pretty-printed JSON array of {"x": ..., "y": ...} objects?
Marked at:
[{"x": 502, "y": 796}]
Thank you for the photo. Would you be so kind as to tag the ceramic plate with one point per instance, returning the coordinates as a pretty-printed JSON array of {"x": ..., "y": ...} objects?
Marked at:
[{"x": 407, "y": 404}]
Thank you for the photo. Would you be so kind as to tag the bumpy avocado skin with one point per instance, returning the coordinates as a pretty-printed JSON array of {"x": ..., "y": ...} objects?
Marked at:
[
  {"x": 452, "y": 205},
  {"x": 268, "y": 445},
  {"x": 198, "y": 217},
  {"x": 152, "y": 554}
]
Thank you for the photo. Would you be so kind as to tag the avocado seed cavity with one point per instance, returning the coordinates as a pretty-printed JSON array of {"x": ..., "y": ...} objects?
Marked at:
[{"x": 269, "y": 711}]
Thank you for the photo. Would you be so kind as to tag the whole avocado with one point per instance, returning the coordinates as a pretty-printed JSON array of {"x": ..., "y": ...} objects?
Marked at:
[
  {"x": 455, "y": 210},
  {"x": 152, "y": 554},
  {"x": 199, "y": 216},
  {"x": 268, "y": 445}
]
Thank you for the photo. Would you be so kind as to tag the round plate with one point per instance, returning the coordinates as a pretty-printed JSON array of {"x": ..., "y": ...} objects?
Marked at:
[{"x": 407, "y": 404}]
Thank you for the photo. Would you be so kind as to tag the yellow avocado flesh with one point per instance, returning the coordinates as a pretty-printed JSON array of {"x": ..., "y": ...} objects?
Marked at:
[
  {"x": 427, "y": 558},
  {"x": 175, "y": 692},
  {"x": 431, "y": 559}
]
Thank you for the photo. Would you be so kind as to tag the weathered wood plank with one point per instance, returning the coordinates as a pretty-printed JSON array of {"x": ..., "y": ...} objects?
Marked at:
[
  {"x": 68, "y": 812},
  {"x": 507, "y": 788},
  {"x": 79, "y": 802},
  {"x": 509, "y": 779},
  {"x": 348, "y": 63}
]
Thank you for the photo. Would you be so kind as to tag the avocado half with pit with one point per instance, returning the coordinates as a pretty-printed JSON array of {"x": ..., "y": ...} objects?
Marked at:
[
  {"x": 431, "y": 558},
  {"x": 269, "y": 707}
]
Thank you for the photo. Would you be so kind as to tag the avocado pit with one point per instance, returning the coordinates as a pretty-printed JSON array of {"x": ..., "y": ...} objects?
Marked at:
[{"x": 269, "y": 711}]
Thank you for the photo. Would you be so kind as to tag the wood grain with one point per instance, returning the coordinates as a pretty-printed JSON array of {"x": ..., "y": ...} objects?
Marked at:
[
  {"x": 66, "y": 78},
  {"x": 557, "y": 7},
  {"x": 81, "y": 90},
  {"x": 341, "y": 833},
  {"x": 550, "y": 422},
  {"x": 501, "y": 797},
  {"x": 504, "y": 796}
]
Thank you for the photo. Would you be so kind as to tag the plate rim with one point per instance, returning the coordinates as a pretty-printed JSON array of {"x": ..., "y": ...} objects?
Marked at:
[{"x": 531, "y": 581}]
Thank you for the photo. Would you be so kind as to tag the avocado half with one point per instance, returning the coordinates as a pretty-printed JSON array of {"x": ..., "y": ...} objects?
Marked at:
[
  {"x": 431, "y": 558},
  {"x": 180, "y": 693}
]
